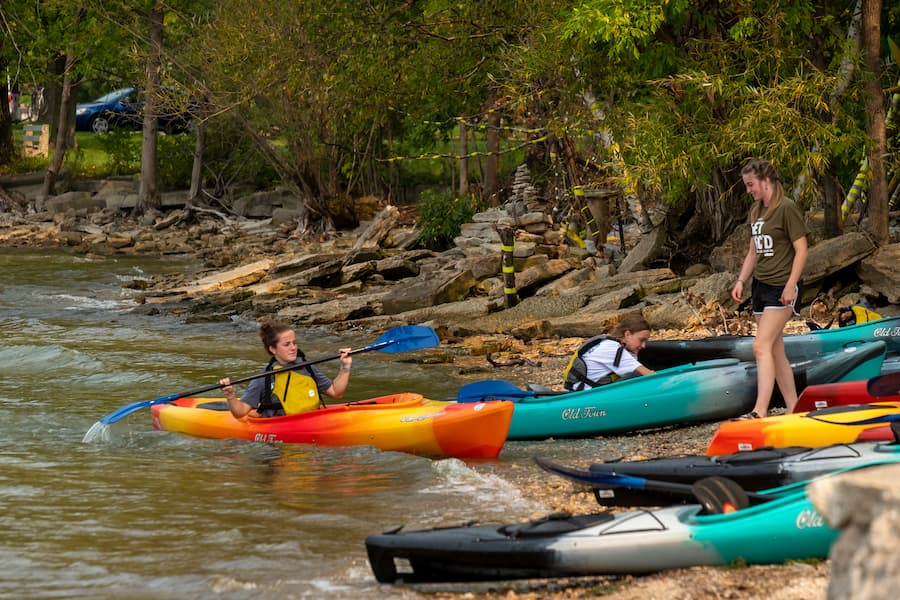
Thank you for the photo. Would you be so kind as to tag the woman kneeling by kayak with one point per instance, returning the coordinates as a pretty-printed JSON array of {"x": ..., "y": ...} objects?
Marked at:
[
  {"x": 293, "y": 391},
  {"x": 604, "y": 359}
]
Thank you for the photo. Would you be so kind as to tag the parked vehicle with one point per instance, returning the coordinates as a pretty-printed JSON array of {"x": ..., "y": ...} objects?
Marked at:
[
  {"x": 95, "y": 115},
  {"x": 122, "y": 109}
]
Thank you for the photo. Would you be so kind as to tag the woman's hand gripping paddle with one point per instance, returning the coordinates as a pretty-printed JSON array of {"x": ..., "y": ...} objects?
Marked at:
[{"x": 398, "y": 339}]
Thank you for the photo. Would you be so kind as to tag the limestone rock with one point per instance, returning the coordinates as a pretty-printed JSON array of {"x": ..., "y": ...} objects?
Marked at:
[
  {"x": 880, "y": 274},
  {"x": 233, "y": 278},
  {"x": 647, "y": 250},
  {"x": 830, "y": 256},
  {"x": 865, "y": 506}
]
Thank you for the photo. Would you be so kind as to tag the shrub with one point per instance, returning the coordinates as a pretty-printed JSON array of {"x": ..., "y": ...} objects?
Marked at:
[
  {"x": 123, "y": 151},
  {"x": 441, "y": 214},
  {"x": 175, "y": 159}
]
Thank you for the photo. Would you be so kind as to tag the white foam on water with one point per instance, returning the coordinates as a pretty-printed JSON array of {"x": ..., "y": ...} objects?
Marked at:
[
  {"x": 488, "y": 490},
  {"x": 97, "y": 434},
  {"x": 82, "y": 302}
]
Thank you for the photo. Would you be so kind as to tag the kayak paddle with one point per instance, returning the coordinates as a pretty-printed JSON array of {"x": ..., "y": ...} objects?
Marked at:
[
  {"x": 715, "y": 493},
  {"x": 496, "y": 389},
  {"x": 398, "y": 339}
]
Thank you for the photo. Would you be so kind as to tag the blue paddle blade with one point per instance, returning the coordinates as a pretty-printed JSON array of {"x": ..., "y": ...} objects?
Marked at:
[
  {"x": 406, "y": 338},
  {"x": 124, "y": 411},
  {"x": 491, "y": 389}
]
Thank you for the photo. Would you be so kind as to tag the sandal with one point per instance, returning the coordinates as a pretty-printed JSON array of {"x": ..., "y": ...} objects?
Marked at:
[{"x": 747, "y": 417}]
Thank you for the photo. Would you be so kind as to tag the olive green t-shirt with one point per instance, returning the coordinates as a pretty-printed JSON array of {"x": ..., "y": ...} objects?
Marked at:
[{"x": 774, "y": 241}]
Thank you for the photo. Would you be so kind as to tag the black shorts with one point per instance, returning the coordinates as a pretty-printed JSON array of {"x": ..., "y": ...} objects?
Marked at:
[{"x": 769, "y": 296}]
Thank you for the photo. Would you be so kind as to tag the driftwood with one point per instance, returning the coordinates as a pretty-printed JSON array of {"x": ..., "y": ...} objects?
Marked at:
[{"x": 378, "y": 230}]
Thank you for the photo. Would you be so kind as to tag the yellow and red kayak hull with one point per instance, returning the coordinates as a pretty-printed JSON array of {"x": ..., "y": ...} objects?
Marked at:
[
  {"x": 836, "y": 425},
  {"x": 405, "y": 422}
]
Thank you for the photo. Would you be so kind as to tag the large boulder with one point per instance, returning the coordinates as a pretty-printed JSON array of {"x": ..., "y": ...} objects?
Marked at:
[
  {"x": 435, "y": 288},
  {"x": 74, "y": 201},
  {"x": 227, "y": 280},
  {"x": 651, "y": 247},
  {"x": 535, "y": 308},
  {"x": 865, "y": 506},
  {"x": 880, "y": 275},
  {"x": 262, "y": 204},
  {"x": 337, "y": 310},
  {"x": 832, "y": 255}
]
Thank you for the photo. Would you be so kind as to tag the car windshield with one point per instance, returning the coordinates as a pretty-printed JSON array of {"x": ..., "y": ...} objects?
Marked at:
[{"x": 111, "y": 96}]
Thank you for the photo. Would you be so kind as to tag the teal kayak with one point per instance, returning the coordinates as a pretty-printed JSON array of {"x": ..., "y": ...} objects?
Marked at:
[
  {"x": 664, "y": 354},
  {"x": 782, "y": 528},
  {"x": 705, "y": 391}
]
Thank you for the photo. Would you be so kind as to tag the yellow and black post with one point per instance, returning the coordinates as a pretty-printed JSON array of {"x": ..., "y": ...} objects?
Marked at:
[{"x": 507, "y": 249}]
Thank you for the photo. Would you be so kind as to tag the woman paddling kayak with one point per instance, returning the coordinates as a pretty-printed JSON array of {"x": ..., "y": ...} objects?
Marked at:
[{"x": 292, "y": 391}]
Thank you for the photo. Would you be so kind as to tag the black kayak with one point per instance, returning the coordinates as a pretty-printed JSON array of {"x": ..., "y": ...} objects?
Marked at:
[
  {"x": 721, "y": 527},
  {"x": 665, "y": 354},
  {"x": 763, "y": 468}
]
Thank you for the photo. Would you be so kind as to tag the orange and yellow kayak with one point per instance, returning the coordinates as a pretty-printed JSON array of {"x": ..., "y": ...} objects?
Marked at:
[
  {"x": 404, "y": 422},
  {"x": 836, "y": 425}
]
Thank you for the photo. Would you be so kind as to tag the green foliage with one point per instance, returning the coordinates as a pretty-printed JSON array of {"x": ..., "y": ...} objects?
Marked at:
[
  {"x": 441, "y": 214},
  {"x": 230, "y": 156},
  {"x": 175, "y": 160},
  {"x": 123, "y": 151}
]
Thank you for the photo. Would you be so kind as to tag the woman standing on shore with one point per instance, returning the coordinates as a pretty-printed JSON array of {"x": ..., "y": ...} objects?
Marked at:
[{"x": 775, "y": 259}]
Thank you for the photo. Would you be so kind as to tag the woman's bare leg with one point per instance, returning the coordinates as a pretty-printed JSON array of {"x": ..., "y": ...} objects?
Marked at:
[
  {"x": 771, "y": 361},
  {"x": 784, "y": 374}
]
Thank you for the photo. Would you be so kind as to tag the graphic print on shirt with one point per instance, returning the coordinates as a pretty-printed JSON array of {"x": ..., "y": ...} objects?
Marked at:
[{"x": 765, "y": 246}]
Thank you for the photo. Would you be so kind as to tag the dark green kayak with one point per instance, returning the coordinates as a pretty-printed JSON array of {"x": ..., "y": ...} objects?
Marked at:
[{"x": 664, "y": 354}]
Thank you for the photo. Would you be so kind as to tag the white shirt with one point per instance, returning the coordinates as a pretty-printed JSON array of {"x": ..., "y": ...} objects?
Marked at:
[{"x": 599, "y": 361}]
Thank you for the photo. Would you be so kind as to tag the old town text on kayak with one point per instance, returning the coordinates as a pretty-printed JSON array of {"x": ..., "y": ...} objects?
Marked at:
[{"x": 582, "y": 412}]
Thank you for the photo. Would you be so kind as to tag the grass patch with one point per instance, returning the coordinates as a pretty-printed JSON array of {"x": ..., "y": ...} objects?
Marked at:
[{"x": 117, "y": 153}]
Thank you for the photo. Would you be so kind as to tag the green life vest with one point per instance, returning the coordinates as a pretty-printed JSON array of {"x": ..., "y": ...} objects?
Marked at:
[{"x": 576, "y": 371}]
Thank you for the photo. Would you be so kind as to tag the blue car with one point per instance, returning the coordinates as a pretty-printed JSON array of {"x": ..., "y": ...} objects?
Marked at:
[
  {"x": 122, "y": 109},
  {"x": 100, "y": 115}
]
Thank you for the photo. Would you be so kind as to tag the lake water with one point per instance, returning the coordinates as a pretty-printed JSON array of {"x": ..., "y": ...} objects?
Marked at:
[{"x": 151, "y": 514}]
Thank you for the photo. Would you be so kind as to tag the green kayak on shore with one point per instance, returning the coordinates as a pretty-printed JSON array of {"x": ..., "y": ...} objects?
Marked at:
[{"x": 705, "y": 391}]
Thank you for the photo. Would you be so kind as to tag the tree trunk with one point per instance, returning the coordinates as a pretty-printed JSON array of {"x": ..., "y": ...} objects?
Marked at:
[
  {"x": 148, "y": 192},
  {"x": 56, "y": 71},
  {"x": 63, "y": 123},
  {"x": 831, "y": 202},
  {"x": 492, "y": 162},
  {"x": 875, "y": 122},
  {"x": 463, "y": 159},
  {"x": 197, "y": 167},
  {"x": 7, "y": 146}
]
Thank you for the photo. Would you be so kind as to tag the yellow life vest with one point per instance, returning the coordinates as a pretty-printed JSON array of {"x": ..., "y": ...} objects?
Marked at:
[
  {"x": 856, "y": 314},
  {"x": 297, "y": 392}
]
